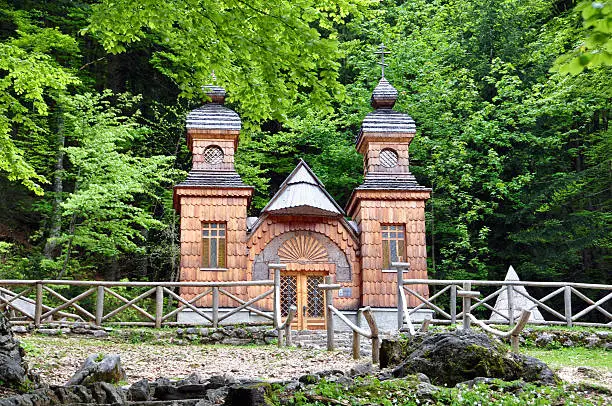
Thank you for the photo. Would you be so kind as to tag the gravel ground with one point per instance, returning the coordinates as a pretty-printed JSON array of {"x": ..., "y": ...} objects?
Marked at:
[
  {"x": 57, "y": 358},
  {"x": 586, "y": 375}
]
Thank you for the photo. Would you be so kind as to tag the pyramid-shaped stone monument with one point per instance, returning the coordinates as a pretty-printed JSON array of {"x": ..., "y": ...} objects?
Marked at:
[{"x": 519, "y": 301}]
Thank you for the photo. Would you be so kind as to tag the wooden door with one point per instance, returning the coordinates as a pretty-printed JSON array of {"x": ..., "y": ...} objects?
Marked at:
[{"x": 301, "y": 290}]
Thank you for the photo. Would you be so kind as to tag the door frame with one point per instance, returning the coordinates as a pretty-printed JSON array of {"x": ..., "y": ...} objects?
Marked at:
[{"x": 300, "y": 322}]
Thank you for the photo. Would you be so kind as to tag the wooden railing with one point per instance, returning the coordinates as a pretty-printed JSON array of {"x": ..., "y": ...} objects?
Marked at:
[
  {"x": 153, "y": 304},
  {"x": 328, "y": 287},
  {"x": 448, "y": 312}
]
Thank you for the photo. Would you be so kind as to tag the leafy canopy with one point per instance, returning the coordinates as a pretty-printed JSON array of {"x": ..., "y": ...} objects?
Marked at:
[
  {"x": 264, "y": 52},
  {"x": 29, "y": 73}
]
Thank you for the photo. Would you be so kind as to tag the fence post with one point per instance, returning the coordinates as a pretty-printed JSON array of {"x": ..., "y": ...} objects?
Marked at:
[
  {"x": 567, "y": 298},
  {"x": 159, "y": 306},
  {"x": 453, "y": 304},
  {"x": 99, "y": 305},
  {"x": 329, "y": 317},
  {"x": 215, "y": 307},
  {"x": 400, "y": 304},
  {"x": 38, "y": 308},
  {"x": 467, "y": 286},
  {"x": 367, "y": 313},
  {"x": 510, "y": 293},
  {"x": 357, "y": 337}
]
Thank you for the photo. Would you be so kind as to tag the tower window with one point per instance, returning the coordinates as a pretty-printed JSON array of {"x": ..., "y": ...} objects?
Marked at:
[
  {"x": 213, "y": 245},
  {"x": 394, "y": 244},
  {"x": 213, "y": 155},
  {"x": 388, "y": 158}
]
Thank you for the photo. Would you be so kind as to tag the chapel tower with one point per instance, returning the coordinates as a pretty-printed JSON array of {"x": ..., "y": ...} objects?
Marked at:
[
  {"x": 389, "y": 207},
  {"x": 213, "y": 200}
]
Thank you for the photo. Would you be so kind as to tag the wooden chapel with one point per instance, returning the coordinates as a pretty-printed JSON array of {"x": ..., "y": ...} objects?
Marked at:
[{"x": 302, "y": 226}]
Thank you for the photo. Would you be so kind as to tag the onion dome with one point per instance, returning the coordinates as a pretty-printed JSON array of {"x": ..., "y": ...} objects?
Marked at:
[
  {"x": 216, "y": 93},
  {"x": 213, "y": 115},
  {"x": 387, "y": 121},
  {"x": 384, "y": 95}
]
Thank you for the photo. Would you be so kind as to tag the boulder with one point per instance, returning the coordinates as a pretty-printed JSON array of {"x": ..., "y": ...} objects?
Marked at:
[
  {"x": 453, "y": 357},
  {"x": 13, "y": 369},
  {"x": 99, "y": 368},
  {"x": 247, "y": 394},
  {"x": 139, "y": 391}
]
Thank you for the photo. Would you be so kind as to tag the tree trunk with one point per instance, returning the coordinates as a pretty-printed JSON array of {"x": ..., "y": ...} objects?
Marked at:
[{"x": 55, "y": 226}]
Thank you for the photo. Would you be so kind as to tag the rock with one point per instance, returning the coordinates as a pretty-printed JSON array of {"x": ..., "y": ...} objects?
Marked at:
[
  {"x": 104, "y": 392},
  {"x": 247, "y": 395},
  {"x": 140, "y": 390},
  {"x": 589, "y": 372},
  {"x": 453, "y": 357},
  {"x": 217, "y": 381},
  {"x": 192, "y": 391},
  {"x": 426, "y": 390},
  {"x": 568, "y": 343},
  {"x": 100, "y": 334},
  {"x": 19, "y": 329},
  {"x": 108, "y": 369},
  {"x": 345, "y": 381},
  {"x": 215, "y": 396},
  {"x": 309, "y": 379},
  {"x": 592, "y": 341},
  {"x": 13, "y": 369},
  {"x": 49, "y": 331},
  {"x": 236, "y": 341},
  {"x": 329, "y": 373},
  {"x": 192, "y": 379},
  {"x": 423, "y": 378},
  {"x": 391, "y": 352},
  {"x": 361, "y": 369},
  {"x": 544, "y": 339},
  {"x": 166, "y": 392}
]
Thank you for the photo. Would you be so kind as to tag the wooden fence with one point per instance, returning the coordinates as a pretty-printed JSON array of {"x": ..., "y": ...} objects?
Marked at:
[
  {"x": 153, "y": 304},
  {"x": 447, "y": 312}
]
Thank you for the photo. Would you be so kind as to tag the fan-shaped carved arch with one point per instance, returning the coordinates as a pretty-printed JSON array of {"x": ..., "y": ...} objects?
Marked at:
[{"x": 303, "y": 249}]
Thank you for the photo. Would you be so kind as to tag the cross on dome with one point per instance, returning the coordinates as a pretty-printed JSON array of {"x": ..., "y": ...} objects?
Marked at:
[{"x": 382, "y": 54}]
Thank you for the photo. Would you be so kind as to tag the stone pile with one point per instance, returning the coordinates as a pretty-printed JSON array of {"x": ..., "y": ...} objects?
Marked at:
[
  {"x": 191, "y": 391},
  {"x": 230, "y": 335},
  {"x": 13, "y": 369}
]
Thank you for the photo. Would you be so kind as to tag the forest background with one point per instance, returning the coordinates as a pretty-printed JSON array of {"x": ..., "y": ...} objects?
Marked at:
[{"x": 511, "y": 100}]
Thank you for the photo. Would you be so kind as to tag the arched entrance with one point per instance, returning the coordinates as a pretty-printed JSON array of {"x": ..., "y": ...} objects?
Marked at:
[{"x": 309, "y": 257}]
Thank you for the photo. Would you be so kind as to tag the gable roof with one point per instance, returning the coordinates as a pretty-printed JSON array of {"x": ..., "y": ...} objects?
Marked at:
[{"x": 302, "y": 193}]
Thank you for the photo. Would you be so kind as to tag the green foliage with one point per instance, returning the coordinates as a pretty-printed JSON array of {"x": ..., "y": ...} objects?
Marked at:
[
  {"x": 264, "y": 53},
  {"x": 572, "y": 357},
  {"x": 29, "y": 73},
  {"x": 404, "y": 392},
  {"x": 109, "y": 180},
  {"x": 596, "y": 48}
]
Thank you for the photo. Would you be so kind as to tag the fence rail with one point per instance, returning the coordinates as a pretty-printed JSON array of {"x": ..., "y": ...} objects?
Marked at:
[
  {"x": 38, "y": 301},
  {"x": 444, "y": 304}
]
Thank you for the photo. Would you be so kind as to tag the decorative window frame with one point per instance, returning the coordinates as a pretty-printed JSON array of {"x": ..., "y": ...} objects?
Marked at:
[
  {"x": 395, "y": 236},
  {"x": 213, "y": 236}
]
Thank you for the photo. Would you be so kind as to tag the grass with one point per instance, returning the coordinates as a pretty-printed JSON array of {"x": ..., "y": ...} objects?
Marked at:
[
  {"x": 371, "y": 391},
  {"x": 573, "y": 357}
]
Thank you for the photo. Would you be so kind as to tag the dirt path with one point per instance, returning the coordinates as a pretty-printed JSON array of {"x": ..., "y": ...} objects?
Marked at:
[{"x": 57, "y": 358}]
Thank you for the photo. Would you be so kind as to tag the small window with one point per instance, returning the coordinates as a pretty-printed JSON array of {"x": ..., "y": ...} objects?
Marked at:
[
  {"x": 388, "y": 158},
  {"x": 394, "y": 244},
  {"x": 213, "y": 245},
  {"x": 213, "y": 155}
]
